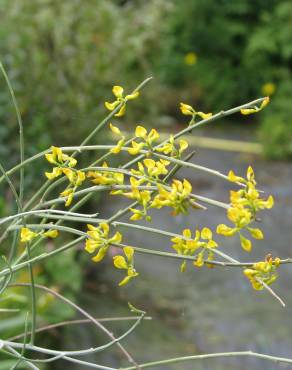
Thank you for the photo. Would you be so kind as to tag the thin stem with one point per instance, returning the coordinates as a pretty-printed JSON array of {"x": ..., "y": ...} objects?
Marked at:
[
  {"x": 21, "y": 138},
  {"x": 78, "y": 322},
  {"x": 213, "y": 355}
]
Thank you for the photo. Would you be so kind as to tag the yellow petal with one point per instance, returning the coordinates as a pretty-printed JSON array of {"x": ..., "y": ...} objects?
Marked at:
[
  {"x": 186, "y": 109},
  {"x": 141, "y": 132},
  {"x": 225, "y": 230},
  {"x": 206, "y": 233},
  {"x": 125, "y": 280},
  {"x": 129, "y": 252},
  {"x": 205, "y": 115},
  {"x": 55, "y": 173},
  {"x": 120, "y": 262},
  {"x": 256, "y": 233},
  {"x": 100, "y": 255},
  {"x": 245, "y": 243},
  {"x": 26, "y": 235},
  {"x": 122, "y": 111},
  {"x": 183, "y": 145},
  {"x": 133, "y": 96},
  {"x": 118, "y": 91},
  {"x": 111, "y": 106},
  {"x": 117, "y": 238},
  {"x": 51, "y": 233},
  {"x": 115, "y": 129}
]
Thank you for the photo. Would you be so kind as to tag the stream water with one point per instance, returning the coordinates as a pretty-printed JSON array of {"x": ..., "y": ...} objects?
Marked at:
[{"x": 203, "y": 310}]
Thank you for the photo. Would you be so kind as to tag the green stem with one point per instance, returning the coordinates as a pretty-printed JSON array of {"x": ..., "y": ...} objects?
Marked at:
[{"x": 213, "y": 355}]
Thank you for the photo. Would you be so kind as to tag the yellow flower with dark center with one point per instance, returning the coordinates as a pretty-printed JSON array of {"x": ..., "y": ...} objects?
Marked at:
[
  {"x": 126, "y": 263},
  {"x": 118, "y": 92}
]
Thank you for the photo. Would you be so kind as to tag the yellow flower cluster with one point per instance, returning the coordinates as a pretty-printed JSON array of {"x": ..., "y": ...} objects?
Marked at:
[
  {"x": 201, "y": 245},
  {"x": 143, "y": 197},
  {"x": 76, "y": 179},
  {"x": 178, "y": 197},
  {"x": 126, "y": 263},
  {"x": 27, "y": 235},
  {"x": 188, "y": 110},
  {"x": 146, "y": 140},
  {"x": 99, "y": 240},
  {"x": 60, "y": 160},
  {"x": 256, "y": 109},
  {"x": 265, "y": 271},
  {"x": 150, "y": 169},
  {"x": 169, "y": 148},
  {"x": 245, "y": 203},
  {"x": 118, "y": 92},
  {"x": 64, "y": 165},
  {"x": 106, "y": 177}
]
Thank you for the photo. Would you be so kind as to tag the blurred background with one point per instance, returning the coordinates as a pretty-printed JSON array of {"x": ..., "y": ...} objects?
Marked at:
[{"x": 63, "y": 57}]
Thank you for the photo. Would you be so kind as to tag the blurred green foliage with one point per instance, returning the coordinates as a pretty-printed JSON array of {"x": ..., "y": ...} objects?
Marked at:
[
  {"x": 64, "y": 56},
  {"x": 240, "y": 46}
]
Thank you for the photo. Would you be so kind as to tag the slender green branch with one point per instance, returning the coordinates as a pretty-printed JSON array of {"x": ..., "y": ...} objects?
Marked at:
[{"x": 213, "y": 355}]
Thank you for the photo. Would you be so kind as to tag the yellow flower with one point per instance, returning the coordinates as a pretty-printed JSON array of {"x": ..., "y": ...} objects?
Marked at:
[
  {"x": 151, "y": 169},
  {"x": 264, "y": 271},
  {"x": 256, "y": 109},
  {"x": 190, "y": 58},
  {"x": 147, "y": 139},
  {"x": 188, "y": 110},
  {"x": 68, "y": 193},
  {"x": 136, "y": 148},
  {"x": 26, "y": 235},
  {"x": 98, "y": 239},
  {"x": 170, "y": 148},
  {"x": 106, "y": 177},
  {"x": 118, "y": 147},
  {"x": 51, "y": 233},
  {"x": 57, "y": 171},
  {"x": 126, "y": 263},
  {"x": 188, "y": 246},
  {"x": 245, "y": 203},
  {"x": 178, "y": 197},
  {"x": 76, "y": 179},
  {"x": 121, "y": 142},
  {"x": 118, "y": 92},
  {"x": 58, "y": 158},
  {"x": 268, "y": 88}
]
